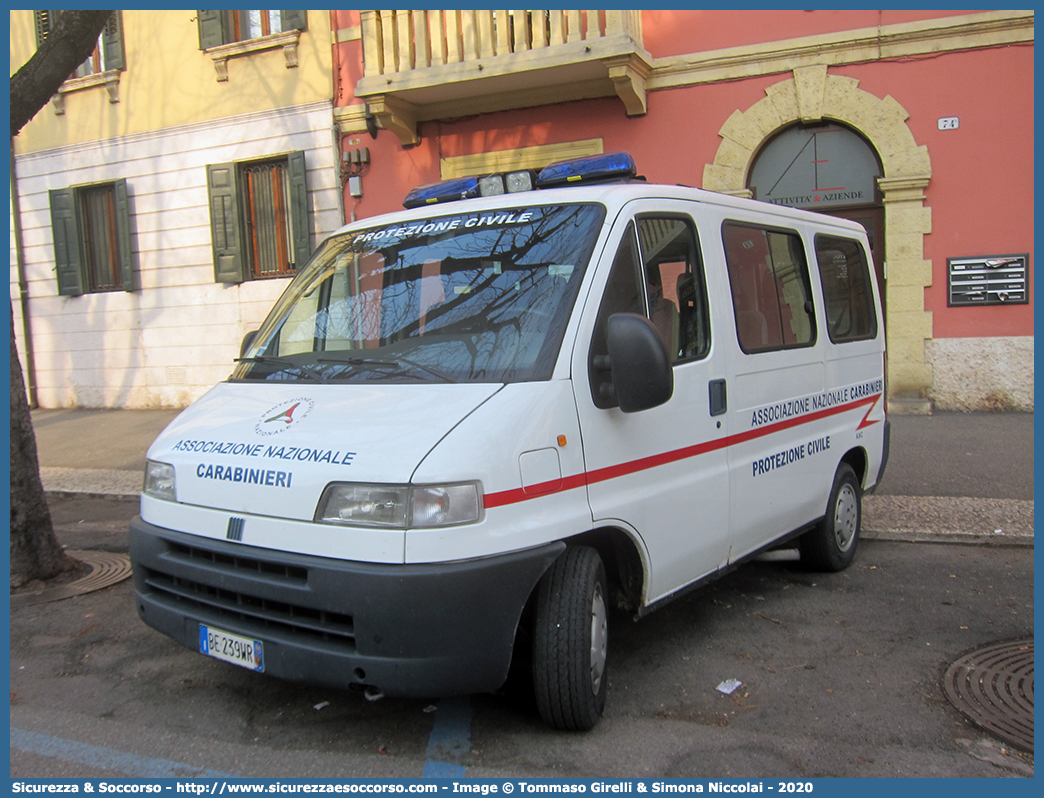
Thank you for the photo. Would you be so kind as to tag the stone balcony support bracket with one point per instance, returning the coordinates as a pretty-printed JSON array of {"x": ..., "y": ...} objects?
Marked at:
[
  {"x": 287, "y": 40},
  {"x": 396, "y": 115},
  {"x": 628, "y": 74}
]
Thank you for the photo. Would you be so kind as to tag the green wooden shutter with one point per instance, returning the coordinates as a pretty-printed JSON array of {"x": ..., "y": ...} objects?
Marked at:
[
  {"x": 66, "y": 230},
  {"x": 211, "y": 32},
  {"x": 299, "y": 223},
  {"x": 296, "y": 18},
  {"x": 224, "y": 223},
  {"x": 112, "y": 42},
  {"x": 44, "y": 21},
  {"x": 123, "y": 235}
]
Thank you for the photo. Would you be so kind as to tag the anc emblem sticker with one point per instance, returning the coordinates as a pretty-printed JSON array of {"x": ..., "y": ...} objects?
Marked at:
[{"x": 284, "y": 416}]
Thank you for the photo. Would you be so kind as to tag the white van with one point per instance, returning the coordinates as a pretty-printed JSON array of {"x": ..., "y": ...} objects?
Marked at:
[{"x": 471, "y": 429}]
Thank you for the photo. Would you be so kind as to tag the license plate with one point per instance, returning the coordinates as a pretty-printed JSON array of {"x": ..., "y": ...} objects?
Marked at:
[{"x": 238, "y": 650}]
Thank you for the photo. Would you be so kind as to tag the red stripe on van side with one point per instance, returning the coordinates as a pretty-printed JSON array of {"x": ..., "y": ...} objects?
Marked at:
[
  {"x": 534, "y": 492},
  {"x": 516, "y": 495}
]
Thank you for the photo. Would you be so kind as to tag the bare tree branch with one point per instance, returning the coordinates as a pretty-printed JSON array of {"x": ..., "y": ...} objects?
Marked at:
[{"x": 66, "y": 47}]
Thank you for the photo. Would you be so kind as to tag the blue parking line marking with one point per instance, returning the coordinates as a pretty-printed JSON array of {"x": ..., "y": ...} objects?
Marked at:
[
  {"x": 443, "y": 770},
  {"x": 450, "y": 740},
  {"x": 96, "y": 756}
]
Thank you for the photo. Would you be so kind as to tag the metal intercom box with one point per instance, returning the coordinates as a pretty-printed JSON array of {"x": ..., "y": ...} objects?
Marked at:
[{"x": 989, "y": 280}]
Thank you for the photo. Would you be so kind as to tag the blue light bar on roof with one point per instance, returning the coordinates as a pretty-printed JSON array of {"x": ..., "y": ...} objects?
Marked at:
[
  {"x": 446, "y": 191},
  {"x": 590, "y": 169},
  {"x": 461, "y": 188}
]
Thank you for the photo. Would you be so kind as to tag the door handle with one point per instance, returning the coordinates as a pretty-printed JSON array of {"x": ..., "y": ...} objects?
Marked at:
[{"x": 719, "y": 400}]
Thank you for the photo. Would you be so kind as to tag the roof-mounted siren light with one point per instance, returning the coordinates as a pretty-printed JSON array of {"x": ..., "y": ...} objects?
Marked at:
[
  {"x": 587, "y": 170},
  {"x": 447, "y": 191},
  {"x": 462, "y": 188}
]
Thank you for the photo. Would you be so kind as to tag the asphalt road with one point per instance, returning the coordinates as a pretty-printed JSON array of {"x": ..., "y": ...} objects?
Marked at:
[
  {"x": 840, "y": 677},
  {"x": 975, "y": 455}
]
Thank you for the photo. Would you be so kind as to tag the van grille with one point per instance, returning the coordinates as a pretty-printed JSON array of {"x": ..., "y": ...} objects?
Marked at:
[
  {"x": 240, "y": 564},
  {"x": 193, "y": 596}
]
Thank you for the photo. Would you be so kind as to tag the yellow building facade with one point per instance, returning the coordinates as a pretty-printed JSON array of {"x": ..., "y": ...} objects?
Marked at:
[
  {"x": 163, "y": 198},
  {"x": 169, "y": 81}
]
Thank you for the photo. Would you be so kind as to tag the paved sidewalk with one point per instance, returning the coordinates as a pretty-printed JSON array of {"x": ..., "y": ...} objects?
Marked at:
[
  {"x": 96, "y": 452},
  {"x": 956, "y": 477}
]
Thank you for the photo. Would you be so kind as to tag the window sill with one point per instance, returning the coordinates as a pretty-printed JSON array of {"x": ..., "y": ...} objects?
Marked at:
[
  {"x": 110, "y": 80},
  {"x": 287, "y": 40}
]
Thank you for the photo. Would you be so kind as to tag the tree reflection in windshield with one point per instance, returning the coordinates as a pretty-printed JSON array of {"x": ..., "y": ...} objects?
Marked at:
[{"x": 476, "y": 297}]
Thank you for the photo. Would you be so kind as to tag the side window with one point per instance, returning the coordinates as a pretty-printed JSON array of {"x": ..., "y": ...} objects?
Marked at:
[
  {"x": 224, "y": 27},
  {"x": 847, "y": 293},
  {"x": 91, "y": 229},
  {"x": 770, "y": 288},
  {"x": 622, "y": 295},
  {"x": 259, "y": 218},
  {"x": 676, "y": 296},
  {"x": 108, "y": 50}
]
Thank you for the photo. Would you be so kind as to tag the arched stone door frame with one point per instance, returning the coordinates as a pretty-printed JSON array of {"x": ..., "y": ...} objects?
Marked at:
[{"x": 813, "y": 95}]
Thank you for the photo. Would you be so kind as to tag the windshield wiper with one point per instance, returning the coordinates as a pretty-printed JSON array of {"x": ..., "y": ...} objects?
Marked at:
[
  {"x": 284, "y": 365},
  {"x": 396, "y": 363}
]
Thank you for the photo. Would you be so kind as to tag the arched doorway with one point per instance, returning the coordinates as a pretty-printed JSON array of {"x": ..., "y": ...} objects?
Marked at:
[
  {"x": 812, "y": 96},
  {"x": 827, "y": 168}
]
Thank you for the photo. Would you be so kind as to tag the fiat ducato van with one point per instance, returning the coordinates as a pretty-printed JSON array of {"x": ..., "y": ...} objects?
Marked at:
[{"x": 476, "y": 429}]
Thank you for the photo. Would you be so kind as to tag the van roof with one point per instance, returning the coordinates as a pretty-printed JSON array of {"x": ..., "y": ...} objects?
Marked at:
[{"x": 613, "y": 195}]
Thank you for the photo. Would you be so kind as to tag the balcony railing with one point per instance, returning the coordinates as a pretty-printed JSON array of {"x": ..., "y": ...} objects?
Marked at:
[
  {"x": 398, "y": 41},
  {"x": 431, "y": 64}
]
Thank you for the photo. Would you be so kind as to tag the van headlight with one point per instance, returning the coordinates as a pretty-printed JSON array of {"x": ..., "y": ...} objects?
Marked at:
[
  {"x": 400, "y": 506},
  {"x": 159, "y": 481}
]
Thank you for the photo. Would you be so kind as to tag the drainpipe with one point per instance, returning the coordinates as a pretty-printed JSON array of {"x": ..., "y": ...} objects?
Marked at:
[
  {"x": 23, "y": 288},
  {"x": 337, "y": 147}
]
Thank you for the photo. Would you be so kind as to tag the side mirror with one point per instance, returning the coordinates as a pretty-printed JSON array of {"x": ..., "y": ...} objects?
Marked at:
[
  {"x": 641, "y": 368},
  {"x": 248, "y": 339}
]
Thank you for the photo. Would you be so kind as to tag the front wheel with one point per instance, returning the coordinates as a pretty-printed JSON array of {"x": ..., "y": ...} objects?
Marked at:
[
  {"x": 831, "y": 546},
  {"x": 570, "y": 641}
]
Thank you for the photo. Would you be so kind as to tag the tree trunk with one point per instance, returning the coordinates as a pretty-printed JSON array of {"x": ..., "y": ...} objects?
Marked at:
[{"x": 35, "y": 551}]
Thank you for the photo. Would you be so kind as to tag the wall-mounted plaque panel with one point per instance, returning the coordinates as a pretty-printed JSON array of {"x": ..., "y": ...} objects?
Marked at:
[{"x": 990, "y": 280}]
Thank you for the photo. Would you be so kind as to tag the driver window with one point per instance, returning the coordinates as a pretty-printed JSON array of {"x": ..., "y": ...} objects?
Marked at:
[
  {"x": 657, "y": 273},
  {"x": 622, "y": 295},
  {"x": 675, "y": 293}
]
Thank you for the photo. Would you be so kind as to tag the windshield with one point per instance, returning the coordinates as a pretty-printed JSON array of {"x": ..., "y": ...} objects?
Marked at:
[{"x": 475, "y": 297}]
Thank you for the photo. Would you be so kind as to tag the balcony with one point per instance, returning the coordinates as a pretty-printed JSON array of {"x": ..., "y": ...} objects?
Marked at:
[{"x": 422, "y": 65}]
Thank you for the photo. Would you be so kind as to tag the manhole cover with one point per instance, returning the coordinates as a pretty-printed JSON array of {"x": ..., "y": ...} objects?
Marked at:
[
  {"x": 993, "y": 687},
  {"x": 106, "y": 569}
]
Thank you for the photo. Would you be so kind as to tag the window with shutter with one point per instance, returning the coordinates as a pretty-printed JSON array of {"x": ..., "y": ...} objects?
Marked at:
[
  {"x": 225, "y": 27},
  {"x": 108, "y": 51},
  {"x": 231, "y": 34},
  {"x": 259, "y": 218},
  {"x": 92, "y": 238}
]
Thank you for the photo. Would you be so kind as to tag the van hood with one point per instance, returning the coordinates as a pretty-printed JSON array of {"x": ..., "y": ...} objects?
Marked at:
[{"x": 271, "y": 450}]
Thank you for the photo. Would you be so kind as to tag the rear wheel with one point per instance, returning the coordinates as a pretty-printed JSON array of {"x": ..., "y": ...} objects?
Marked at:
[
  {"x": 831, "y": 546},
  {"x": 570, "y": 641}
]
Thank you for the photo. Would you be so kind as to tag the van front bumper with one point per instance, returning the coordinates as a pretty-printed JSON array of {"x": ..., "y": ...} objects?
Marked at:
[{"x": 426, "y": 630}]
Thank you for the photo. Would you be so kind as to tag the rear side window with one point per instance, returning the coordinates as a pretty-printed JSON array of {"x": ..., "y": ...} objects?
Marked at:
[
  {"x": 770, "y": 288},
  {"x": 847, "y": 294}
]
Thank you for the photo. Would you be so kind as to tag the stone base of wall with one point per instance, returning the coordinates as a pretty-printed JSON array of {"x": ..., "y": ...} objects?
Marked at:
[{"x": 981, "y": 373}]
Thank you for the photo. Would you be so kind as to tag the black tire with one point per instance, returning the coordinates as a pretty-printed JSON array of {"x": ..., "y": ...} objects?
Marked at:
[
  {"x": 831, "y": 546},
  {"x": 569, "y": 641}
]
